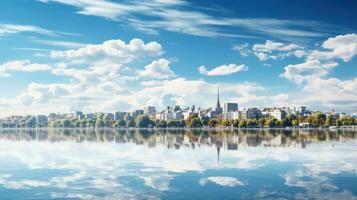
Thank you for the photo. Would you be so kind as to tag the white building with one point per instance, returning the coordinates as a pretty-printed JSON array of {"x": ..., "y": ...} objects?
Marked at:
[{"x": 278, "y": 114}]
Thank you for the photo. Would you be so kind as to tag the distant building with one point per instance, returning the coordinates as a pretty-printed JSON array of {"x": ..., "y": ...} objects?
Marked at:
[
  {"x": 148, "y": 110},
  {"x": 164, "y": 116},
  {"x": 230, "y": 107},
  {"x": 79, "y": 115},
  {"x": 136, "y": 113},
  {"x": 91, "y": 116},
  {"x": 250, "y": 113},
  {"x": 233, "y": 115},
  {"x": 119, "y": 115},
  {"x": 278, "y": 114},
  {"x": 40, "y": 119},
  {"x": 109, "y": 116}
]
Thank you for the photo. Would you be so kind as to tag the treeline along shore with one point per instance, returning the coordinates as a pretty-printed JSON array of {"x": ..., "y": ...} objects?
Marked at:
[{"x": 319, "y": 120}]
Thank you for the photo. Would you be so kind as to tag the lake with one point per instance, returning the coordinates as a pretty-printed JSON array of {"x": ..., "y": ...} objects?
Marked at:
[{"x": 163, "y": 164}]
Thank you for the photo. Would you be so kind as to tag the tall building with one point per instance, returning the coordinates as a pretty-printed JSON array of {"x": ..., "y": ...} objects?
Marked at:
[
  {"x": 119, "y": 115},
  {"x": 230, "y": 107},
  {"x": 148, "y": 110},
  {"x": 41, "y": 119},
  {"x": 218, "y": 108},
  {"x": 79, "y": 115}
]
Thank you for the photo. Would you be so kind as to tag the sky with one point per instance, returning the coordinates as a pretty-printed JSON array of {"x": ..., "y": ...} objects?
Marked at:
[{"x": 105, "y": 55}]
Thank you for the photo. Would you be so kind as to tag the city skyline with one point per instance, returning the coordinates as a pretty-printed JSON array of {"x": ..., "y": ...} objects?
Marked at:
[{"x": 106, "y": 56}]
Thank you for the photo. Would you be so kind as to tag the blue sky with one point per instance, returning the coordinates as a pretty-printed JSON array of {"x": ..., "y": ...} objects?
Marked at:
[{"x": 101, "y": 55}]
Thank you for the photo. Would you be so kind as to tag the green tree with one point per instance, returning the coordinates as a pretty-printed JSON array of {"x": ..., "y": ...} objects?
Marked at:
[
  {"x": 328, "y": 121},
  {"x": 225, "y": 123},
  {"x": 242, "y": 123},
  {"x": 143, "y": 121},
  {"x": 99, "y": 123},
  {"x": 295, "y": 122},
  {"x": 194, "y": 123},
  {"x": 161, "y": 124},
  {"x": 251, "y": 122},
  {"x": 204, "y": 121},
  {"x": 66, "y": 123},
  {"x": 236, "y": 123},
  {"x": 212, "y": 122},
  {"x": 130, "y": 123}
]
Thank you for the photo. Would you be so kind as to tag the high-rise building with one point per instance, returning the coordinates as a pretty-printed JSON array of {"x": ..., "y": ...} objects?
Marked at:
[
  {"x": 119, "y": 115},
  {"x": 230, "y": 107},
  {"x": 148, "y": 110},
  {"x": 79, "y": 115},
  {"x": 41, "y": 119}
]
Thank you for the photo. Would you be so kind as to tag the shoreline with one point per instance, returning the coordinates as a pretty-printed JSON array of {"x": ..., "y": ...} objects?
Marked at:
[{"x": 353, "y": 128}]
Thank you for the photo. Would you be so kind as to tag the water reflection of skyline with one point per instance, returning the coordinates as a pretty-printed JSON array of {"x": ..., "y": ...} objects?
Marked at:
[
  {"x": 97, "y": 164},
  {"x": 176, "y": 139}
]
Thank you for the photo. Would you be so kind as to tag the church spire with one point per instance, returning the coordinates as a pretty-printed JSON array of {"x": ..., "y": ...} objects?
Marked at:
[{"x": 218, "y": 103}]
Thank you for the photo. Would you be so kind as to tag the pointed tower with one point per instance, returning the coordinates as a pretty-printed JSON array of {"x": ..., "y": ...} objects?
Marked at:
[
  {"x": 218, "y": 106},
  {"x": 218, "y": 103}
]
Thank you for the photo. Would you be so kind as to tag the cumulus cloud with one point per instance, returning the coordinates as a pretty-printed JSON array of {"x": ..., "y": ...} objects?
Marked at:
[
  {"x": 110, "y": 51},
  {"x": 269, "y": 48},
  {"x": 225, "y": 181},
  {"x": 158, "y": 69},
  {"x": 243, "y": 49},
  {"x": 23, "y": 66},
  {"x": 307, "y": 70},
  {"x": 314, "y": 77},
  {"x": 342, "y": 46},
  {"x": 222, "y": 70}
]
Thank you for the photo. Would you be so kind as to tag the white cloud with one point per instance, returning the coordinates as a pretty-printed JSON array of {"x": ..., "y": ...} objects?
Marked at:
[
  {"x": 225, "y": 181},
  {"x": 314, "y": 77},
  {"x": 182, "y": 17},
  {"x": 116, "y": 51},
  {"x": 6, "y": 29},
  {"x": 242, "y": 49},
  {"x": 23, "y": 66},
  {"x": 269, "y": 48},
  {"x": 158, "y": 69},
  {"x": 307, "y": 70},
  {"x": 59, "y": 43},
  {"x": 341, "y": 46},
  {"x": 222, "y": 70},
  {"x": 261, "y": 56}
]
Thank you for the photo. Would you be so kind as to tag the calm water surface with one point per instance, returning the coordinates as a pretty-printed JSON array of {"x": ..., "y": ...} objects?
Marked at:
[{"x": 107, "y": 164}]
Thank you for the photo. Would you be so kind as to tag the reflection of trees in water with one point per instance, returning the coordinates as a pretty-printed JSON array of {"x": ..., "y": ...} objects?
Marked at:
[{"x": 228, "y": 139}]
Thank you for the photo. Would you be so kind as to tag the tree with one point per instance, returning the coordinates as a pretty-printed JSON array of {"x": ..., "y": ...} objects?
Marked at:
[
  {"x": 191, "y": 117},
  {"x": 194, "y": 123},
  {"x": 236, "y": 123},
  {"x": 328, "y": 121},
  {"x": 225, "y": 122},
  {"x": 66, "y": 123},
  {"x": 242, "y": 123},
  {"x": 295, "y": 122},
  {"x": 143, "y": 121},
  {"x": 212, "y": 122},
  {"x": 130, "y": 123},
  {"x": 251, "y": 122},
  {"x": 270, "y": 122},
  {"x": 261, "y": 122},
  {"x": 99, "y": 123},
  {"x": 204, "y": 121},
  {"x": 107, "y": 120},
  {"x": 161, "y": 124}
]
